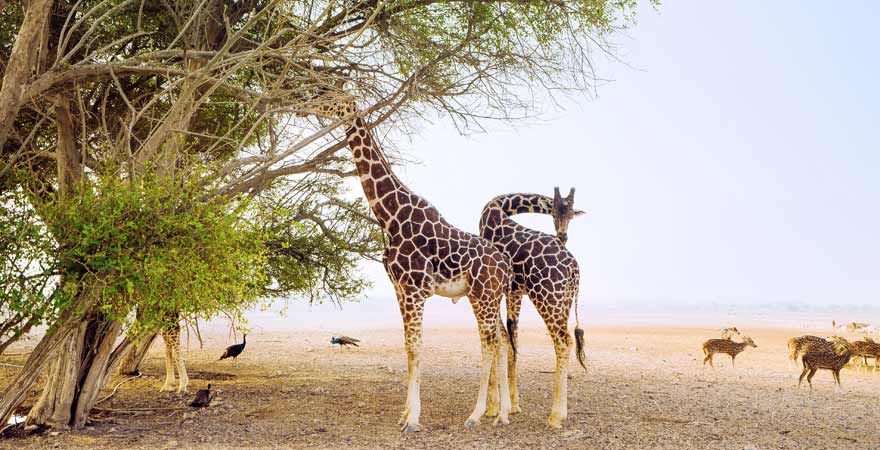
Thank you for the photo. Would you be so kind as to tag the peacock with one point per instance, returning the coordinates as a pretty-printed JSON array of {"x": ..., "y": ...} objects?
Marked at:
[
  {"x": 203, "y": 398},
  {"x": 343, "y": 341},
  {"x": 234, "y": 350}
]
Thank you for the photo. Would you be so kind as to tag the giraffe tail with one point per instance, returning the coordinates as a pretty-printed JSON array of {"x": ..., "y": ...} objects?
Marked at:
[
  {"x": 579, "y": 337},
  {"x": 511, "y": 335}
]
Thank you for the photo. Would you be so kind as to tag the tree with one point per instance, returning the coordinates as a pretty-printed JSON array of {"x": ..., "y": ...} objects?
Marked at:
[{"x": 113, "y": 112}]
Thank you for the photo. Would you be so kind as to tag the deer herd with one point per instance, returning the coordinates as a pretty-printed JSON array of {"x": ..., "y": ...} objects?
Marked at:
[{"x": 832, "y": 353}]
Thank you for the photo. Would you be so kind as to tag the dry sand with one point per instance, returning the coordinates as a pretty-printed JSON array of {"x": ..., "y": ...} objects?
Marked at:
[{"x": 645, "y": 388}]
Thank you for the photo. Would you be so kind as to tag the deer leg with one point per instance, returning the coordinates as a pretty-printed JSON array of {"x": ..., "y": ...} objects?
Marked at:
[
  {"x": 810, "y": 377},
  {"x": 733, "y": 361},
  {"x": 803, "y": 374}
]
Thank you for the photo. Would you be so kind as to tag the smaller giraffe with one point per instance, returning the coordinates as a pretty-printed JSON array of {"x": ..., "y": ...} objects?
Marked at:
[
  {"x": 174, "y": 358},
  {"x": 548, "y": 273},
  {"x": 726, "y": 346}
]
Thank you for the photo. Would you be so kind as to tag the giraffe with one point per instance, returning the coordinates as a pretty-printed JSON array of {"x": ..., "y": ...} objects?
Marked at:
[
  {"x": 544, "y": 270},
  {"x": 173, "y": 357},
  {"x": 425, "y": 256}
]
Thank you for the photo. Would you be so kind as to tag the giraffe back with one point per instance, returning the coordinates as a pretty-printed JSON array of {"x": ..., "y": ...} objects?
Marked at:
[{"x": 541, "y": 263}]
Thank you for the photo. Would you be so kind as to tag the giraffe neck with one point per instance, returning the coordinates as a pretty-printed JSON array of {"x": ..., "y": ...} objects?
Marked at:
[
  {"x": 384, "y": 191},
  {"x": 495, "y": 222}
]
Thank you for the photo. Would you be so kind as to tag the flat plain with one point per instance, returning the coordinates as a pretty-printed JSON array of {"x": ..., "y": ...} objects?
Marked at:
[{"x": 645, "y": 387}]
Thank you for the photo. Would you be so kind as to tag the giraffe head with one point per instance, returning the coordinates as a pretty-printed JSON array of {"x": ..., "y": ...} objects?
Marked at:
[
  {"x": 563, "y": 212},
  {"x": 329, "y": 103}
]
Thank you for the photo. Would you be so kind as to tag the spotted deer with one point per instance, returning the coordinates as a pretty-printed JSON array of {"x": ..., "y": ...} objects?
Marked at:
[
  {"x": 799, "y": 345},
  {"x": 730, "y": 333},
  {"x": 834, "y": 360},
  {"x": 865, "y": 349},
  {"x": 726, "y": 346}
]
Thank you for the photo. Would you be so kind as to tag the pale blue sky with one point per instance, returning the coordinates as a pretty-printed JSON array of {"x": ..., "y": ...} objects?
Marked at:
[{"x": 738, "y": 162}]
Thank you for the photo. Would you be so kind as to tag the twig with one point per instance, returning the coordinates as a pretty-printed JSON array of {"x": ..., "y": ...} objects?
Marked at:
[
  {"x": 11, "y": 365},
  {"x": 174, "y": 408},
  {"x": 117, "y": 388}
]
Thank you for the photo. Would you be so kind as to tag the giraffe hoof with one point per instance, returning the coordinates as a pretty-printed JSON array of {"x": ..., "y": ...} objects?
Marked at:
[
  {"x": 411, "y": 428},
  {"x": 166, "y": 389},
  {"x": 515, "y": 409},
  {"x": 502, "y": 419},
  {"x": 471, "y": 423},
  {"x": 555, "y": 422}
]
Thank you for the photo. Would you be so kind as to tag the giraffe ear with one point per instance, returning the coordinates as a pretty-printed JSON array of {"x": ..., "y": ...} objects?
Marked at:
[{"x": 578, "y": 212}]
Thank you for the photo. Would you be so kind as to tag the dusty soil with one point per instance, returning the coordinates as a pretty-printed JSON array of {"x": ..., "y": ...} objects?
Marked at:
[{"x": 645, "y": 388}]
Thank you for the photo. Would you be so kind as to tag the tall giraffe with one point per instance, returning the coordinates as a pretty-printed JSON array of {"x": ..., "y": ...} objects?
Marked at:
[
  {"x": 544, "y": 270},
  {"x": 425, "y": 256}
]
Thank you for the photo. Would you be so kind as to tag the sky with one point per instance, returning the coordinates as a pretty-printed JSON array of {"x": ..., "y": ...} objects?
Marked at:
[{"x": 734, "y": 159}]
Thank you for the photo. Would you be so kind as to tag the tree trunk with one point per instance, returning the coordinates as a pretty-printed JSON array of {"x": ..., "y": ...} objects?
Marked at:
[
  {"x": 70, "y": 320},
  {"x": 131, "y": 364},
  {"x": 78, "y": 373},
  {"x": 21, "y": 63}
]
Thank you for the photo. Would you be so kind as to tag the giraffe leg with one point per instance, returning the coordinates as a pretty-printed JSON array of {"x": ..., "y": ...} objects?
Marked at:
[
  {"x": 562, "y": 345},
  {"x": 183, "y": 381},
  {"x": 489, "y": 348},
  {"x": 412, "y": 309},
  {"x": 513, "y": 305},
  {"x": 494, "y": 405},
  {"x": 514, "y": 302},
  {"x": 501, "y": 361},
  {"x": 169, "y": 362}
]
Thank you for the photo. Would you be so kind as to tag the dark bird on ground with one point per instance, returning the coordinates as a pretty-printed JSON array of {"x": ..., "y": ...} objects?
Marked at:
[
  {"x": 234, "y": 350},
  {"x": 344, "y": 341},
  {"x": 203, "y": 398}
]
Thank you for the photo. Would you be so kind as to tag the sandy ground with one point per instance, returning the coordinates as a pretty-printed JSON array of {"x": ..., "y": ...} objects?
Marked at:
[{"x": 645, "y": 388}]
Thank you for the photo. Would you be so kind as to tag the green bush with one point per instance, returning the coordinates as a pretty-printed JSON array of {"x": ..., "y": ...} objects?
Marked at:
[{"x": 158, "y": 247}]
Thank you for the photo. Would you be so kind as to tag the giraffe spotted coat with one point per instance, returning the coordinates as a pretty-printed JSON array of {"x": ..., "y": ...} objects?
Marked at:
[{"x": 425, "y": 255}]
